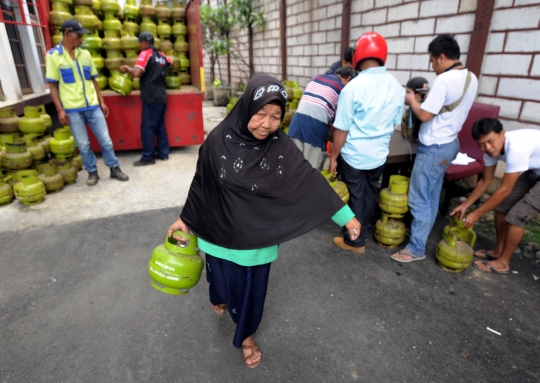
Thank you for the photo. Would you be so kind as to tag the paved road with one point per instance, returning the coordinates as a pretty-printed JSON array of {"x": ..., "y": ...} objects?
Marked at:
[{"x": 76, "y": 306}]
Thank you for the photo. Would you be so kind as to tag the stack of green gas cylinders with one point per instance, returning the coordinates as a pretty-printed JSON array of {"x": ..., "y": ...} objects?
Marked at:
[
  {"x": 32, "y": 162},
  {"x": 390, "y": 230},
  {"x": 294, "y": 94},
  {"x": 113, "y": 39}
]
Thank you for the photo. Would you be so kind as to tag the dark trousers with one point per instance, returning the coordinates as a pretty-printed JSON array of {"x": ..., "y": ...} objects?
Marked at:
[
  {"x": 153, "y": 124},
  {"x": 362, "y": 185},
  {"x": 243, "y": 289}
]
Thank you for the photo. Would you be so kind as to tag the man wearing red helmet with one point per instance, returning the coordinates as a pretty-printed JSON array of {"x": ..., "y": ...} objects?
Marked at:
[
  {"x": 442, "y": 113},
  {"x": 368, "y": 108}
]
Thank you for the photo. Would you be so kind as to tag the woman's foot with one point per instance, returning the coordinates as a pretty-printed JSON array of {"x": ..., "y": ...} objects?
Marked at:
[
  {"x": 220, "y": 309},
  {"x": 252, "y": 354}
]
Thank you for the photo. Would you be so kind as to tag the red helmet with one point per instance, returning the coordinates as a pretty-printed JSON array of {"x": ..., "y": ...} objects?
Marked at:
[{"x": 371, "y": 45}]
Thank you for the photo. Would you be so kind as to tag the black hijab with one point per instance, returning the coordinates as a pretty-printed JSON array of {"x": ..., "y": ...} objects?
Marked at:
[{"x": 249, "y": 193}]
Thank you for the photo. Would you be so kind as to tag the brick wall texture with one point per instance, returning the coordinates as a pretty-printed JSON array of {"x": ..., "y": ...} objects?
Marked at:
[{"x": 510, "y": 75}]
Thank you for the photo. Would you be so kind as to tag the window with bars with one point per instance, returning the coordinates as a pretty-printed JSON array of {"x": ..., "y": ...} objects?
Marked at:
[{"x": 16, "y": 49}]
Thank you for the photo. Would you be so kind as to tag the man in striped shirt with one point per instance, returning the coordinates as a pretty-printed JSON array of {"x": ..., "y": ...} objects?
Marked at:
[{"x": 317, "y": 108}]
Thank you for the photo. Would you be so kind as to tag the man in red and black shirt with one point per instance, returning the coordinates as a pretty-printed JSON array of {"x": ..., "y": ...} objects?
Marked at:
[{"x": 151, "y": 68}]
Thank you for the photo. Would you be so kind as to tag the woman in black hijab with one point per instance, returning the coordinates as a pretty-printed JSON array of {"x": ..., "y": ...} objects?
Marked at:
[{"x": 253, "y": 190}]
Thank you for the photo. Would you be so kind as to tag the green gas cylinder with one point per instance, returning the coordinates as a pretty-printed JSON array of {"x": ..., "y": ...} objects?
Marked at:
[
  {"x": 30, "y": 190},
  {"x": 63, "y": 142},
  {"x": 176, "y": 266},
  {"x": 33, "y": 146},
  {"x": 53, "y": 181},
  {"x": 339, "y": 186},
  {"x": 6, "y": 192},
  {"x": 9, "y": 121},
  {"x": 120, "y": 83},
  {"x": 46, "y": 118},
  {"x": 389, "y": 232},
  {"x": 456, "y": 228},
  {"x": 32, "y": 121},
  {"x": 66, "y": 169},
  {"x": 16, "y": 157},
  {"x": 454, "y": 255},
  {"x": 76, "y": 161},
  {"x": 393, "y": 199}
]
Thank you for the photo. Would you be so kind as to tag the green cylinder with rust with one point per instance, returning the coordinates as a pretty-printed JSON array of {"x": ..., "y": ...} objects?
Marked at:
[
  {"x": 175, "y": 266},
  {"x": 30, "y": 190},
  {"x": 53, "y": 181},
  {"x": 389, "y": 232},
  {"x": 66, "y": 169},
  {"x": 32, "y": 121},
  {"x": 454, "y": 255},
  {"x": 16, "y": 157},
  {"x": 32, "y": 145},
  {"x": 394, "y": 199},
  {"x": 6, "y": 192},
  {"x": 76, "y": 161},
  {"x": 456, "y": 228},
  {"x": 63, "y": 142}
]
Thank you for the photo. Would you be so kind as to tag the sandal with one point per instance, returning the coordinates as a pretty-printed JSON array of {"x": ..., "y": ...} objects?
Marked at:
[
  {"x": 254, "y": 349},
  {"x": 490, "y": 268},
  {"x": 407, "y": 252}
]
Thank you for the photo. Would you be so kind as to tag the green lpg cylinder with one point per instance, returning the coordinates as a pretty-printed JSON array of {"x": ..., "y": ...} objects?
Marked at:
[
  {"x": 9, "y": 121},
  {"x": 76, "y": 161},
  {"x": 389, "y": 232},
  {"x": 16, "y": 157},
  {"x": 30, "y": 190},
  {"x": 175, "y": 267},
  {"x": 43, "y": 114},
  {"x": 6, "y": 192},
  {"x": 454, "y": 255},
  {"x": 456, "y": 228},
  {"x": 32, "y": 121},
  {"x": 393, "y": 199},
  {"x": 53, "y": 181},
  {"x": 66, "y": 169},
  {"x": 339, "y": 186},
  {"x": 32, "y": 145},
  {"x": 63, "y": 142}
]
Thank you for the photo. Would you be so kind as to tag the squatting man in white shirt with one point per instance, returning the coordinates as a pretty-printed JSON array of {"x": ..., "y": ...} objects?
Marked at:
[{"x": 517, "y": 201}]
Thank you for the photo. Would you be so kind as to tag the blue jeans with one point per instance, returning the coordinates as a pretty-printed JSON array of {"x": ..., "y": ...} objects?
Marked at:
[
  {"x": 96, "y": 120},
  {"x": 153, "y": 124},
  {"x": 425, "y": 190}
]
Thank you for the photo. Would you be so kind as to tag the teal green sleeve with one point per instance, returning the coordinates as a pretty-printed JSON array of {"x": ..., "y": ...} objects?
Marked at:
[
  {"x": 344, "y": 215},
  {"x": 253, "y": 257}
]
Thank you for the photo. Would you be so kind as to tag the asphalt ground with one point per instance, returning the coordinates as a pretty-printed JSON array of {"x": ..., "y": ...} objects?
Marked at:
[{"x": 76, "y": 305}]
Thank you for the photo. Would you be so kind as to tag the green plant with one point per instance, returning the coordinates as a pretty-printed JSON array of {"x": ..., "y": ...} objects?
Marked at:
[
  {"x": 246, "y": 19},
  {"x": 216, "y": 23}
]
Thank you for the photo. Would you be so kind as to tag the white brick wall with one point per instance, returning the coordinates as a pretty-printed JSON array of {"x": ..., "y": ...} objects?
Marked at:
[
  {"x": 519, "y": 88},
  {"x": 418, "y": 62},
  {"x": 523, "y": 42},
  {"x": 495, "y": 42},
  {"x": 535, "y": 70},
  {"x": 403, "y": 12},
  {"x": 418, "y": 27},
  {"x": 509, "y": 108},
  {"x": 531, "y": 111},
  {"x": 507, "y": 64},
  {"x": 438, "y": 8},
  {"x": 400, "y": 45},
  {"x": 374, "y": 17},
  {"x": 488, "y": 85},
  {"x": 515, "y": 18},
  {"x": 455, "y": 24}
]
